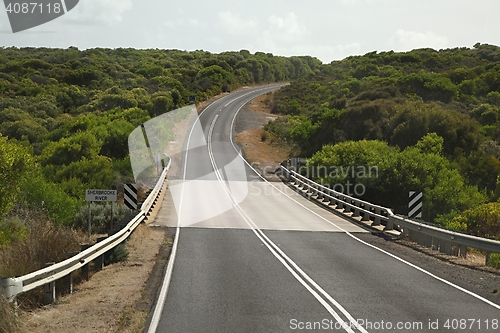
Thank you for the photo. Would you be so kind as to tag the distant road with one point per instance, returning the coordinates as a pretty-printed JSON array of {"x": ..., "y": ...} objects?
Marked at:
[{"x": 253, "y": 256}]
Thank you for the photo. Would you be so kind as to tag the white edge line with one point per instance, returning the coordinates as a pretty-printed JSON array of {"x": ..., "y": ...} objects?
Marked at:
[
  {"x": 155, "y": 319},
  {"x": 497, "y": 306}
]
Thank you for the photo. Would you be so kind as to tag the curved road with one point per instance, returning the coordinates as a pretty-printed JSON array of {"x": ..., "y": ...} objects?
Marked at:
[{"x": 251, "y": 256}]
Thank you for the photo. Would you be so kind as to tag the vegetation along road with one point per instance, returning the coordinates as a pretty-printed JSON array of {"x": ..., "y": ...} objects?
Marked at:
[{"x": 252, "y": 255}]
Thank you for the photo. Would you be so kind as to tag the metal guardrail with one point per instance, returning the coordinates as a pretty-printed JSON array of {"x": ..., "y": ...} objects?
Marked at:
[
  {"x": 444, "y": 240},
  {"x": 13, "y": 286}
]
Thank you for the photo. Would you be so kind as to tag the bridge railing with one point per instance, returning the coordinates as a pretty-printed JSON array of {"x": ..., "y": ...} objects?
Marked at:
[{"x": 441, "y": 239}]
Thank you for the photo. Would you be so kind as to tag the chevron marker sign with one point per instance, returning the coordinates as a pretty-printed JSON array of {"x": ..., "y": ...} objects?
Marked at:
[
  {"x": 415, "y": 204},
  {"x": 26, "y": 14}
]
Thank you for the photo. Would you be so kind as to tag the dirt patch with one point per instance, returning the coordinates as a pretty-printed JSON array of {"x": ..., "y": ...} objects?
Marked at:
[
  {"x": 249, "y": 127},
  {"x": 112, "y": 300}
]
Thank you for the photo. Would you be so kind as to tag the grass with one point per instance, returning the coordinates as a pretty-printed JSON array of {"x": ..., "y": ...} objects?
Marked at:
[
  {"x": 43, "y": 243},
  {"x": 9, "y": 322}
]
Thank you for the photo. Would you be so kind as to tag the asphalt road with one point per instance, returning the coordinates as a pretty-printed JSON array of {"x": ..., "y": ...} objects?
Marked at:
[{"x": 252, "y": 256}]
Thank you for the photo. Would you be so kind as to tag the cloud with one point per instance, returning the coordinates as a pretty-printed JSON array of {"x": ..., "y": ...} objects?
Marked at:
[
  {"x": 235, "y": 25},
  {"x": 100, "y": 11},
  {"x": 408, "y": 40},
  {"x": 286, "y": 28},
  {"x": 281, "y": 33}
]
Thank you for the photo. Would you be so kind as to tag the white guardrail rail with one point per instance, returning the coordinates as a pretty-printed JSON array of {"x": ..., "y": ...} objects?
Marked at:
[
  {"x": 444, "y": 240},
  {"x": 13, "y": 286}
]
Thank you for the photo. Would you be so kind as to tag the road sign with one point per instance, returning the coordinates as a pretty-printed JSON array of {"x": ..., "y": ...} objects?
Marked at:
[
  {"x": 192, "y": 98},
  {"x": 100, "y": 195},
  {"x": 130, "y": 195},
  {"x": 415, "y": 204}
]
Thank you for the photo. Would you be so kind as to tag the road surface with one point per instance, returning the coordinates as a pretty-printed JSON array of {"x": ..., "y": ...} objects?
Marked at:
[{"x": 253, "y": 256}]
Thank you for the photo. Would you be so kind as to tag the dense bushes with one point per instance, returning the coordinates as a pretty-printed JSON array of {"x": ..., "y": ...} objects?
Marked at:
[
  {"x": 65, "y": 115},
  {"x": 384, "y": 175},
  {"x": 400, "y": 99},
  {"x": 483, "y": 220}
]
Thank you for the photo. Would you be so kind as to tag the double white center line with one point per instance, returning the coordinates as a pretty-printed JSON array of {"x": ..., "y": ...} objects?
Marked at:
[{"x": 326, "y": 300}]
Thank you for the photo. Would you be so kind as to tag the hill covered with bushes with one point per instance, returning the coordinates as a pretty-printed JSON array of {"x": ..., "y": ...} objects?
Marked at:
[
  {"x": 65, "y": 114},
  {"x": 429, "y": 119}
]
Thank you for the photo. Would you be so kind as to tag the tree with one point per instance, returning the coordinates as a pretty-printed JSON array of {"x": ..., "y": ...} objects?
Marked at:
[
  {"x": 15, "y": 163},
  {"x": 481, "y": 221},
  {"x": 92, "y": 173},
  {"x": 162, "y": 102},
  {"x": 386, "y": 175},
  {"x": 115, "y": 144},
  {"x": 26, "y": 129},
  {"x": 431, "y": 144},
  {"x": 38, "y": 192},
  {"x": 414, "y": 120},
  {"x": 72, "y": 149}
]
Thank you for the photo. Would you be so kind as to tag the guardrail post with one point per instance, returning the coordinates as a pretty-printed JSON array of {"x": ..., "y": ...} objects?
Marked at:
[
  {"x": 435, "y": 243},
  {"x": 488, "y": 254},
  {"x": 339, "y": 204},
  {"x": 67, "y": 281},
  {"x": 99, "y": 261},
  {"x": 330, "y": 198},
  {"x": 355, "y": 213},
  {"x": 390, "y": 224},
  {"x": 50, "y": 288},
  {"x": 321, "y": 196},
  {"x": 366, "y": 216},
  {"x": 412, "y": 235},
  {"x": 442, "y": 246},
  {"x": 463, "y": 251},
  {"x": 376, "y": 220},
  {"x": 420, "y": 238},
  {"x": 295, "y": 181},
  {"x": 427, "y": 241},
  {"x": 85, "y": 268},
  {"x": 347, "y": 208}
]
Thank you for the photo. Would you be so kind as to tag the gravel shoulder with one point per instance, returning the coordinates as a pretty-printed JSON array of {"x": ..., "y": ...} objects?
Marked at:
[{"x": 114, "y": 299}]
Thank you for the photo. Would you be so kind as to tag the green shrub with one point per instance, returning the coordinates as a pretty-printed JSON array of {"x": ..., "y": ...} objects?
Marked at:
[
  {"x": 118, "y": 254},
  {"x": 38, "y": 192},
  {"x": 100, "y": 217},
  {"x": 494, "y": 260},
  {"x": 11, "y": 230},
  {"x": 482, "y": 221}
]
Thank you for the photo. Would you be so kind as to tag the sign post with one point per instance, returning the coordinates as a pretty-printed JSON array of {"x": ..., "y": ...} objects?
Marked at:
[
  {"x": 90, "y": 218},
  {"x": 100, "y": 196}
]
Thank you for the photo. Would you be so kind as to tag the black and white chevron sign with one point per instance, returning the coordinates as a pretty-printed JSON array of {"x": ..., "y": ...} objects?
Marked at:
[
  {"x": 130, "y": 196},
  {"x": 415, "y": 204}
]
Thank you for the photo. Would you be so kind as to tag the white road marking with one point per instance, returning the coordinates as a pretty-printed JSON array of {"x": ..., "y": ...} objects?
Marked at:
[
  {"x": 282, "y": 257},
  {"x": 497, "y": 306}
]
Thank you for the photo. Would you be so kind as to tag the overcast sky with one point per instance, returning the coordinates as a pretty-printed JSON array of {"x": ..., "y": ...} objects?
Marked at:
[{"x": 326, "y": 29}]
